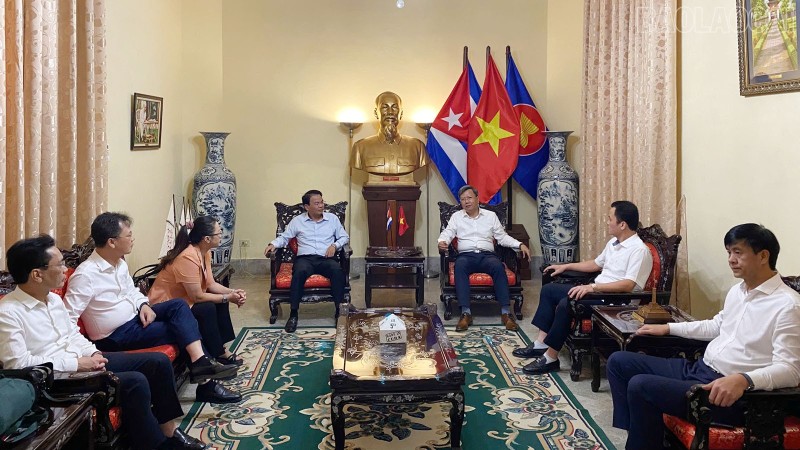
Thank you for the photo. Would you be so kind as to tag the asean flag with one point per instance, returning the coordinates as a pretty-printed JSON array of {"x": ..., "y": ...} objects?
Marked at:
[
  {"x": 534, "y": 149},
  {"x": 493, "y": 137}
]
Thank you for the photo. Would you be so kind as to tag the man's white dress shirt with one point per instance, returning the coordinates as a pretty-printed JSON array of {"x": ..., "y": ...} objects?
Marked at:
[
  {"x": 103, "y": 295},
  {"x": 476, "y": 234},
  {"x": 33, "y": 332},
  {"x": 627, "y": 260},
  {"x": 757, "y": 333}
]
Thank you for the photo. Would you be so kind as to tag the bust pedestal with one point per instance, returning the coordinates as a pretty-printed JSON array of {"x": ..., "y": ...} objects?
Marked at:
[{"x": 381, "y": 198}]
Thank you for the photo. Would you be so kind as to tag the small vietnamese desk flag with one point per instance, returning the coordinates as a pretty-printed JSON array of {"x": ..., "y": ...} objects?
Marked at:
[
  {"x": 534, "y": 149},
  {"x": 402, "y": 226},
  {"x": 493, "y": 137}
]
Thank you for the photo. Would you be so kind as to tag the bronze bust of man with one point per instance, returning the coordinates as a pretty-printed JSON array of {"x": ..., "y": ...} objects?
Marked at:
[{"x": 389, "y": 157}]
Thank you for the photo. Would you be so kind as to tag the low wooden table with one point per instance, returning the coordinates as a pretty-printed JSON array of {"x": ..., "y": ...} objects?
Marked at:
[
  {"x": 72, "y": 428},
  {"x": 614, "y": 328},
  {"x": 394, "y": 268},
  {"x": 423, "y": 370}
]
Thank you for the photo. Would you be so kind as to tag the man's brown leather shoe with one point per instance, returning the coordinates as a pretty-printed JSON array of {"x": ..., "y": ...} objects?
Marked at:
[
  {"x": 464, "y": 322},
  {"x": 508, "y": 321}
]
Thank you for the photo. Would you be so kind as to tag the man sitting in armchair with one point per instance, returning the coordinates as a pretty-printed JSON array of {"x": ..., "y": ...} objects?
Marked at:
[
  {"x": 626, "y": 263},
  {"x": 35, "y": 328},
  {"x": 755, "y": 344},
  {"x": 319, "y": 236},
  {"x": 476, "y": 229}
]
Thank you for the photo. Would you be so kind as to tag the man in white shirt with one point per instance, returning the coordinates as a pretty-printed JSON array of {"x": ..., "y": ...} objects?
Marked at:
[
  {"x": 626, "y": 263},
  {"x": 35, "y": 328},
  {"x": 755, "y": 344},
  {"x": 476, "y": 228},
  {"x": 319, "y": 236},
  {"x": 117, "y": 316}
]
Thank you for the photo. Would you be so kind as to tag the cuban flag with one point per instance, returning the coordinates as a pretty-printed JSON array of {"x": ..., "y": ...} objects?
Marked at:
[
  {"x": 447, "y": 138},
  {"x": 388, "y": 218},
  {"x": 534, "y": 149}
]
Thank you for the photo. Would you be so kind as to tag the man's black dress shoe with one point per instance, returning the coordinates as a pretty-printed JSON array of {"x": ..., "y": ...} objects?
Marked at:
[
  {"x": 213, "y": 392},
  {"x": 182, "y": 441},
  {"x": 291, "y": 324},
  {"x": 540, "y": 366},
  {"x": 529, "y": 352},
  {"x": 234, "y": 359},
  {"x": 206, "y": 368}
]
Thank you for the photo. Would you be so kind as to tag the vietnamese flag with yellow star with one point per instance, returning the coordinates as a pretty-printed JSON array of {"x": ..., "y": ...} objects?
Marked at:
[{"x": 493, "y": 137}]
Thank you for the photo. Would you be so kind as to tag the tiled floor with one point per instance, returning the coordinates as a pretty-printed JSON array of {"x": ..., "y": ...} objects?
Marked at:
[{"x": 256, "y": 314}]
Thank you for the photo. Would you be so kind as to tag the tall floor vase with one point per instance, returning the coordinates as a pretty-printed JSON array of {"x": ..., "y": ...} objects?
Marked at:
[
  {"x": 214, "y": 194},
  {"x": 557, "y": 192}
]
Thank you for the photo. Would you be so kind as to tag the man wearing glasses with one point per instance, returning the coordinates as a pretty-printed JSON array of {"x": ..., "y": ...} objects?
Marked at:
[
  {"x": 117, "y": 316},
  {"x": 35, "y": 328}
]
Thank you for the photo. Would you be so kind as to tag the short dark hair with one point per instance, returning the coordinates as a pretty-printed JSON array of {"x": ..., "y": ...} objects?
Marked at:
[
  {"x": 627, "y": 212},
  {"x": 756, "y": 237},
  {"x": 307, "y": 196},
  {"x": 28, "y": 254},
  {"x": 466, "y": 188},
  {"x": 107, "y": 226}
]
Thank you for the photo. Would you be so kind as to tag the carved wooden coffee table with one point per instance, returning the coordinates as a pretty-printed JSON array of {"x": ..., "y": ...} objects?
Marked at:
[{"x": 423, "y": 370}]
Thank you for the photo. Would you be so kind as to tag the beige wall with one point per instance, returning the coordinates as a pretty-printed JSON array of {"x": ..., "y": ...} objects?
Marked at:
[
  {"x": 739, "y": 154},
  {"x": 173, "y": 54}
]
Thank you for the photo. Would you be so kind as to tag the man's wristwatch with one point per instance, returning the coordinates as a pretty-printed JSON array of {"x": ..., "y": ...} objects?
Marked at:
[
  {"x": 224, "y": 298},
  {"x": 750, "y": 385},
  {"x": 594, "y": 287}
]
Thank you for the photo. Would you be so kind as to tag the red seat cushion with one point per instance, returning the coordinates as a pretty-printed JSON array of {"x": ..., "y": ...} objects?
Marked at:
[
  {"x": 171, "y": 350},
  {"x": 481, "y": 279},
  {"x": 293, "y": 245},
  {"x": 655, "y": 272},
  {"x": 728, "y": 439},
  {"x": 114, "y": 416},
  {"x": 284, "y": 279}
]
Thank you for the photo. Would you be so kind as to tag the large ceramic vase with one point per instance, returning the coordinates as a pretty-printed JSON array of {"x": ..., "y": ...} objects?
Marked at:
[
  {"x": 557, "y": 193},
  {"x": 214, "y": 194}
]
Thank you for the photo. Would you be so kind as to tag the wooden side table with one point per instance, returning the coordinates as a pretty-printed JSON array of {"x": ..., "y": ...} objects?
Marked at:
[
  {"x": 394, "y": 268},
  {"x": 614, "y": 328},
  {"x": 72, "y": 428},
  {"x": 518, "y": 232}
]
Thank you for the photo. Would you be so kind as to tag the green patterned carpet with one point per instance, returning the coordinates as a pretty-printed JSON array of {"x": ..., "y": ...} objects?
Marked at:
[{"x": 286, "y": 403}]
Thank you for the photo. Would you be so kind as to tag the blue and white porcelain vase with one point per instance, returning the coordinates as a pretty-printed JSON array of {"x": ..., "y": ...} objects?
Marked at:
[
  {"x": 214, "y": 194},
  {"x": 557, "y": 193}
]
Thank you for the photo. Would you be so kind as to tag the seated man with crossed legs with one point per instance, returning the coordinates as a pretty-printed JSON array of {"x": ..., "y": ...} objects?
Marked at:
[{"x": 626, "y": 263}]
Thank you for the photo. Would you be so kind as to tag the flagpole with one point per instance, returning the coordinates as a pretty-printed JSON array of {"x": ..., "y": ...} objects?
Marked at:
[
  {"x": 429, "y": 272},
  {"x": 508, "y": 182},
  {"x": 350, "y": 127}
]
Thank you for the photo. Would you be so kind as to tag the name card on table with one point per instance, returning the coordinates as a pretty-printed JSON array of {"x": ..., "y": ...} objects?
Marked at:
[{"x": 392, "y": 330}]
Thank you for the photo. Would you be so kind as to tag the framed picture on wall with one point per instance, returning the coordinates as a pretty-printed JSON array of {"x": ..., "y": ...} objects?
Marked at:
[
  {"x": 146, "y": 114},
  {"x": 767, "y": 46}
]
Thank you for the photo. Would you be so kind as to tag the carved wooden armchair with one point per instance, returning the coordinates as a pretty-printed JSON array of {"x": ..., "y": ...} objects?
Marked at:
[
  {"x": 665, "y": 254},
  {"x": 317, "y": 288},
  {"x": 481, "y": 286},
  {"x": 772, "y": 418}
]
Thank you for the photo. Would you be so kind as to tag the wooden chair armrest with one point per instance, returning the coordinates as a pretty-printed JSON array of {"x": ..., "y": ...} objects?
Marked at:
[
  {"x": 574, "y": 277},
  {"x": 765, "y": 412}
]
